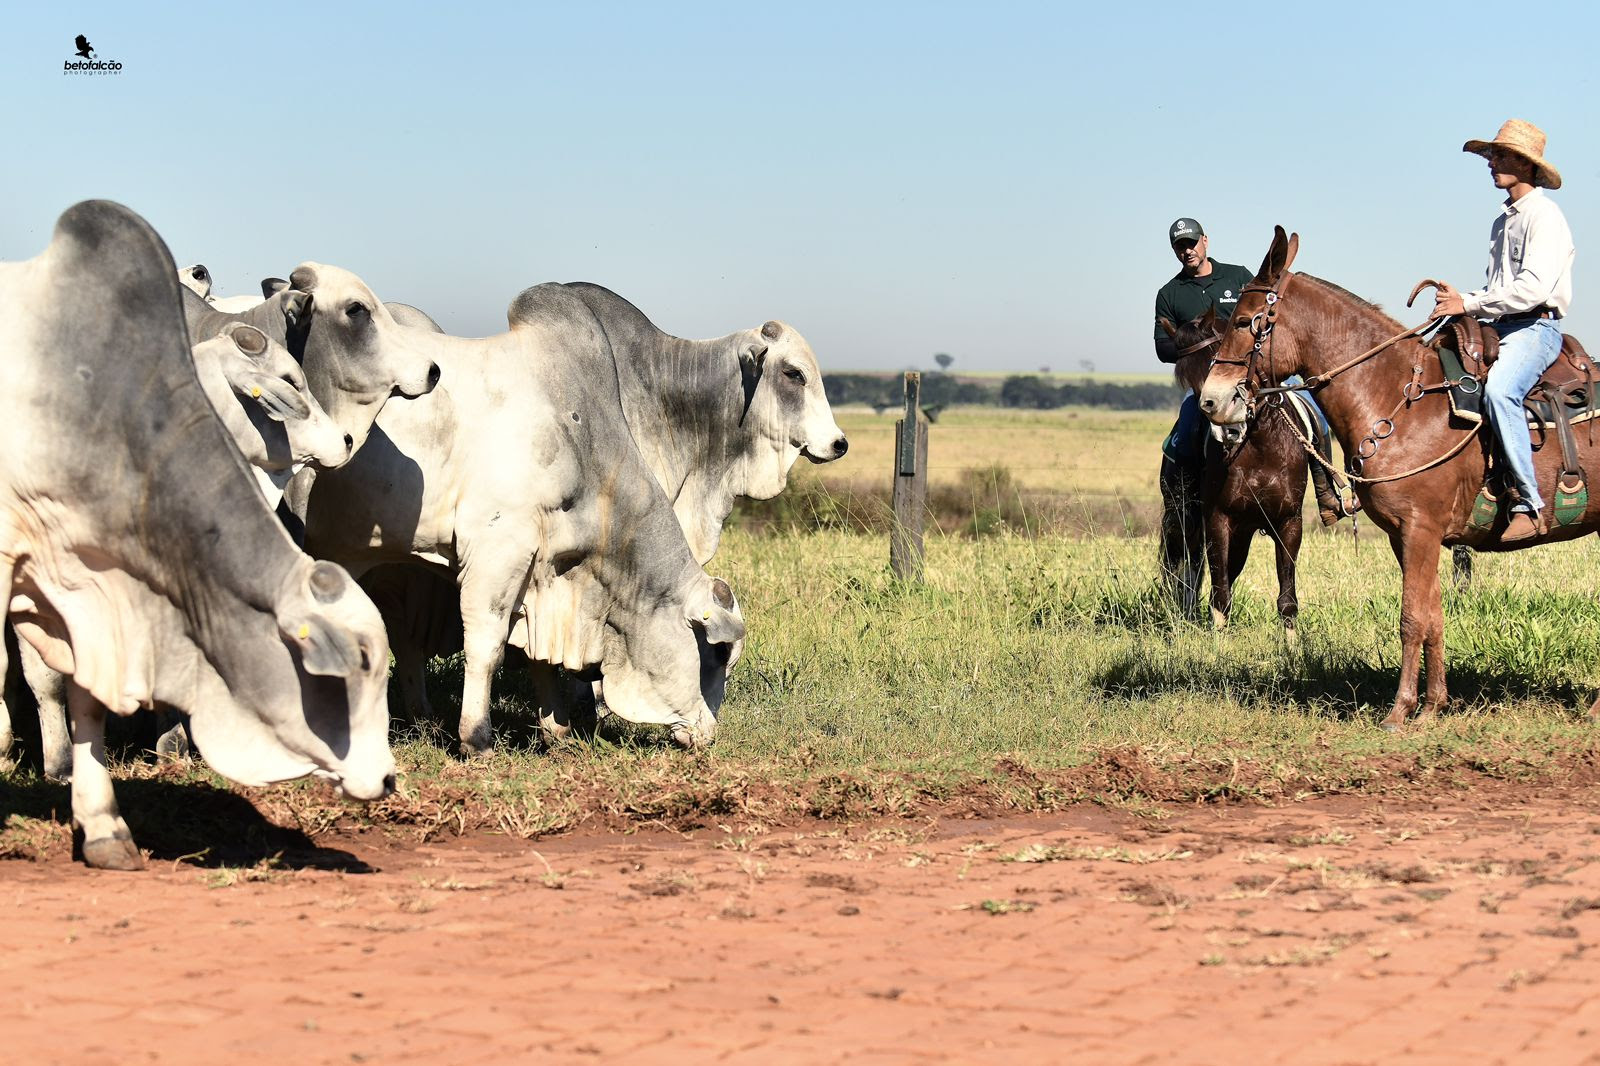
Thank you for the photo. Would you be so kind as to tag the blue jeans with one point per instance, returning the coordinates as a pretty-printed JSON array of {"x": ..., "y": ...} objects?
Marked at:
[
  {"x": 1186, "y": 444},
  {"x": 1526, "y": 350}
]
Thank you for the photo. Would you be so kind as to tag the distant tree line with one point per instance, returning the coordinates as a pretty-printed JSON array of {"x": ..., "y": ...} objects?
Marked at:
[{"x": 1020, "y": 390}]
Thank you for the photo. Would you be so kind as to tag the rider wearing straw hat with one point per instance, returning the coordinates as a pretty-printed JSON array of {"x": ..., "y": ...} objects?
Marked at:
[{"x": 1527, "y": 293}]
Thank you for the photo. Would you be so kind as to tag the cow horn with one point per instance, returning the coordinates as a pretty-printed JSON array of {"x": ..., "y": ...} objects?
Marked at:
[{"x": 772, "y": 331}]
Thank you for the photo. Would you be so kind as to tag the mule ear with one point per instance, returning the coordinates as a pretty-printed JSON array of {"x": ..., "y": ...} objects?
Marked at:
[
  {"x": 1270, "y": 266},
  {"x": 1294, "y": 249},
  {"x": 1167, "y": 326},
  {"x": 1208, "y": 321}
]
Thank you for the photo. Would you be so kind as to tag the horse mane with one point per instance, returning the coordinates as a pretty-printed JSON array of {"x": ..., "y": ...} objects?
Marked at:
[{"x": 1361, "y": 302}]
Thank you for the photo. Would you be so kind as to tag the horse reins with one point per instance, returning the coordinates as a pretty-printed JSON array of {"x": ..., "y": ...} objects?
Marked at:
[{"x": 1261, "y": 326}]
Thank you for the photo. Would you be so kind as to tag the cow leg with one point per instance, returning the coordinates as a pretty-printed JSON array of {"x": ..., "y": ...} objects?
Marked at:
[
  {"x": 1287, "y": 541},
  {"x": 50, "y": 693},
  {"x": 7, "y": 738},
  {"x": 1420, "y": 610},
  {"x": 107, "y": 844},
  {"x": 411, "y": 672},
  {"x": 487, "y": 601},
  {"x": 555, "y": 700}
]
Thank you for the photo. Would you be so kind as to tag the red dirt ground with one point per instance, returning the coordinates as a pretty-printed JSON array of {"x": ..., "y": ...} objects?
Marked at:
[{"x": 1332, "y": 931}]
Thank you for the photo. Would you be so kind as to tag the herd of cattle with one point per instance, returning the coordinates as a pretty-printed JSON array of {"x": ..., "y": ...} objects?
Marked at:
[{"x": 191, "y": 489}]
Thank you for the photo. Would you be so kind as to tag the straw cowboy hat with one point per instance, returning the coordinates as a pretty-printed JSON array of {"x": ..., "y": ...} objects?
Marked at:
[{"x": 1525, "y": 139}]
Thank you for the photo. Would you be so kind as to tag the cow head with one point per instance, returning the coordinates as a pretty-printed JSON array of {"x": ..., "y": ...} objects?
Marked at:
[
  {"x": 333, "y": 640},
  {"x": 260, "y": 393},
  {"x": 786, "y": 408},
  {"x": 669, "y": 662},
  {"x": 356, "y": 356}
]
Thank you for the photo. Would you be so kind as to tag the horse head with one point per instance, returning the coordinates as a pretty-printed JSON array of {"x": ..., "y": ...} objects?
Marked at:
[{"x": 1249, "y": 355}]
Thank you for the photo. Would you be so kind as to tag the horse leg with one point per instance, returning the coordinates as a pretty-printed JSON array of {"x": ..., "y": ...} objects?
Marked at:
[
  {"x": 1420, "y": 612},
  {"x": 1461, "y": 567},
  {"x": 1194, "y": 547},
  {"x": 1227, "y": 549},
  {"x": 1286, "y": 538}
]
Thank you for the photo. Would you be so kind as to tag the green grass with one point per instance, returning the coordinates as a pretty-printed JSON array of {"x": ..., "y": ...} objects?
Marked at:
[{"x": 1026, "y": 673}]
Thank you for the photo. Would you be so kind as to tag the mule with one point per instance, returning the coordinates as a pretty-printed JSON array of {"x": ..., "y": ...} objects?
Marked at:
[
  {"x": 1381, "y": 389},
  {"x": 1255, "y": 484}
]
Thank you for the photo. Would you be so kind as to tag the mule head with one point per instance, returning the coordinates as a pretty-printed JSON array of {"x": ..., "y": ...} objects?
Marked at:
[
  {"x": 1249, "y": 352},
  {"x": 1195, "y": 341}
]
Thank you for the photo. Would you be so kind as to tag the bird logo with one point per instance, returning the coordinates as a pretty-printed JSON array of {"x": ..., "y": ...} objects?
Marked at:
[{"x": 85, "y": 49}]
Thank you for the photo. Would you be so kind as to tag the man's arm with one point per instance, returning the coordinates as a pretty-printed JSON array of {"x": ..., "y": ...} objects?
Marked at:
[
  {"x": 1166, "y": 350},
  {"x": 1548, "y": 252}
]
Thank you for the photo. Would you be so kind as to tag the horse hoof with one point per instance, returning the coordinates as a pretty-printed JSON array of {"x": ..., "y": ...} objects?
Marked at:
[{"x": 112, "y": 853}]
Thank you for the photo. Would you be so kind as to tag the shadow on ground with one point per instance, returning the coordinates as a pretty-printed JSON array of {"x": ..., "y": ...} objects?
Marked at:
[{"x": 192, "y": 822}]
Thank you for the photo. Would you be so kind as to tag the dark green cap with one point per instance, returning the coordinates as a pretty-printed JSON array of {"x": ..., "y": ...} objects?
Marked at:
[{"x": 1185, "y": 229}]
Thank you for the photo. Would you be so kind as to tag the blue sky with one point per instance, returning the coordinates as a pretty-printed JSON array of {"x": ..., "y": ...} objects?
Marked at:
[{"x": 895, "y": 180}]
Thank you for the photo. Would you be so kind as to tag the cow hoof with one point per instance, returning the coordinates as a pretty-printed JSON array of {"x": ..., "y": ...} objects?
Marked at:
[
  {"x": 1388, "y": 726},
  {"x": 112, "y": 853},
  {"x": 473, "y": 748}
]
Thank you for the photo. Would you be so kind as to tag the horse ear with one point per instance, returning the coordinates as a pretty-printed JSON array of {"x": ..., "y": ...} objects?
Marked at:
[
  {"x": 1294, "y": 249},
  {"x": 1166, "y": 324},
  {"x": 1208, "y": 321},
  {"x": 1272, "y": 265}
]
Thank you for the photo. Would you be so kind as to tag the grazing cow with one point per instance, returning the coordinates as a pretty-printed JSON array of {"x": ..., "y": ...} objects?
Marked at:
[
  {"x": 518, "y": 476},
  {"x": 714, "y": 420},
  {"x": 137, "y": 555},
  {"x": 258, "y": 391}
]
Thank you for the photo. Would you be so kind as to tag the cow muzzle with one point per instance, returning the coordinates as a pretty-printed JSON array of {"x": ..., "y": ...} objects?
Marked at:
[{"x": 833, "y": 451}]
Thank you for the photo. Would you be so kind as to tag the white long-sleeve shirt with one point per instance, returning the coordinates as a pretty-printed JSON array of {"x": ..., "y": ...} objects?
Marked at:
[{"x": 1530, "y": 260}]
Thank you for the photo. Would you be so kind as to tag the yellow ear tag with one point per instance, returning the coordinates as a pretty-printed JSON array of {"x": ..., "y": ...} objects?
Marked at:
[
  {"x": 705, "y": 616},
  {"x": 255, "y": 392},
  {"x": 305, "y": 631}
]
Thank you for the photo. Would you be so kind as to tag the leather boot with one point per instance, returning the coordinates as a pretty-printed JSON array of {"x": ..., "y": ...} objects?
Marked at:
[
  {"x": 1523, "y": 526},
  {"x": 1330, "y": 501}
]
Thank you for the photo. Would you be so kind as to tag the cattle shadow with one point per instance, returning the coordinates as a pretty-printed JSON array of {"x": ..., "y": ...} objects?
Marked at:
[
  {"x": 514, "y": 709},
  {"x": 195, "y": 823},
  {"x": 1331, "y": 684}
]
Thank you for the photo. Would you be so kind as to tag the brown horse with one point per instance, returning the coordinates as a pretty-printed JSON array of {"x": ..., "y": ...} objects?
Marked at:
[
  {"x": 1255, "y": 484},
  {"x": 1420, "y": 471}
]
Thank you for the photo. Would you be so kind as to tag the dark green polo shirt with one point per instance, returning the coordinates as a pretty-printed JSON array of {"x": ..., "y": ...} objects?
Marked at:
[{"x": 1184, "y": 299}]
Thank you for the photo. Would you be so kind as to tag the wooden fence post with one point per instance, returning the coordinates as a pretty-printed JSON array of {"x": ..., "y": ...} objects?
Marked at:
[{"x": 910, "y": 485}]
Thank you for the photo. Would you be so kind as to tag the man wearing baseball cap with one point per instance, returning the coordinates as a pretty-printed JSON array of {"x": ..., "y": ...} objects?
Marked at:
[
  {"x": 1200, "y": 284},
  {"x": 1528, "y": 291}
]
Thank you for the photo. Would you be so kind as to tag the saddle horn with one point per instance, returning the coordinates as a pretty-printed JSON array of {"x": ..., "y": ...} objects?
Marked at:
[{"x": 1425, "y": 283}]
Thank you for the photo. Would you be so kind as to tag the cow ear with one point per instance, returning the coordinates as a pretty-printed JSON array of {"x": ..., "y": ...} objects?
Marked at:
[
  {"x": 325, "y": 650},
  {"x": 250, "y": 341},
  {"x": 296, "y": 305},
  {"x": 281, "y": 401},
  {"x": 1167, "y": 326},
  {"x": 270, "y": 287},
  {"x": 715, "y": 612}
]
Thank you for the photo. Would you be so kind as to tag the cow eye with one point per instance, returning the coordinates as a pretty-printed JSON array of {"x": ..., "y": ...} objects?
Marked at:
[
  {"x": 356, "y": 310},
  {"x": 794, "y": 375},
  {"x": 289, "y": 381}
]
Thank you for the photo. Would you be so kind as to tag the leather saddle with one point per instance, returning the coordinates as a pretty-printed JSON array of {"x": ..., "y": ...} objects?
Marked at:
[{"x": 1571, "y": 380}]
